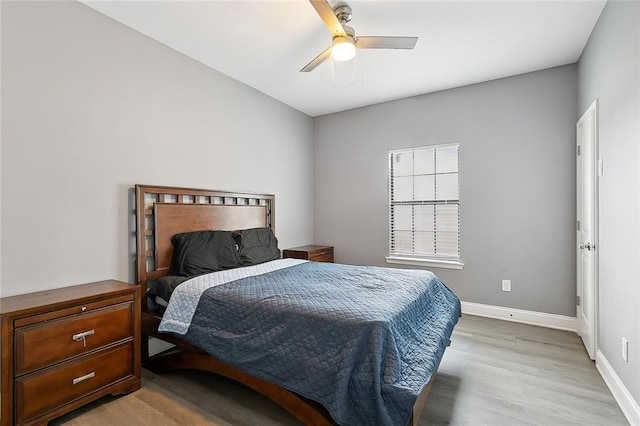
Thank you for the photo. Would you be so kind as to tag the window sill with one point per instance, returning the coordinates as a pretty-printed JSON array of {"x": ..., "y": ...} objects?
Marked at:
[{"x": 433, "y": 263}]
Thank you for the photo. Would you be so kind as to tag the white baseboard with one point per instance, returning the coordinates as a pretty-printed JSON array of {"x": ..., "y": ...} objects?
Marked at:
[
  {"x": 560, "y": 322},
  {"x": 621, "y": 394}
]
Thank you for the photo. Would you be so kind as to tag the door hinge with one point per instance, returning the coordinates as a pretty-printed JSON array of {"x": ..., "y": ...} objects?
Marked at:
[
  {"x": 577, "y": 225},
  {"x": 578, "y": 149},
  {"x": 578, "y": 300}
]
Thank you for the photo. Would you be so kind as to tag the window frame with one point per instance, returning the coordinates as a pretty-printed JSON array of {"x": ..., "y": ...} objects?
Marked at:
[{"x": 398, "y": 257}]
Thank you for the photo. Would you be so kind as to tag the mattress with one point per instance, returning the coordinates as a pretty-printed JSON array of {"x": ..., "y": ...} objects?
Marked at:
[{"x": 362, "y": 341}]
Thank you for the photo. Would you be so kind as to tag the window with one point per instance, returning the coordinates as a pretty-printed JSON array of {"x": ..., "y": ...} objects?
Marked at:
[{"x": 424, "y": 206}]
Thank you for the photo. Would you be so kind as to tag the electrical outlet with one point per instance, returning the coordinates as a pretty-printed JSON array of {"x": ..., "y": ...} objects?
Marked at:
[
  {"x": 506, "y": 285},
  {"x": 625, "y": 349}
]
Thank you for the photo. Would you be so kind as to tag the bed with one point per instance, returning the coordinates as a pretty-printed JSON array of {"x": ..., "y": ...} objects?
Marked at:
[{"x": 382, "y": 368}]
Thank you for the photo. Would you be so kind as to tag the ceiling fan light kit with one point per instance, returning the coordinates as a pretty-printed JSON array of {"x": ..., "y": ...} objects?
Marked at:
[
  {"x": 343, "y": 49},
  {"x": 344, "y": 44}
]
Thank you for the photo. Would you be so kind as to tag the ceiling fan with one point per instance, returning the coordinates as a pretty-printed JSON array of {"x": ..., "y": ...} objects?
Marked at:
[{"x": 345, "y": 42}]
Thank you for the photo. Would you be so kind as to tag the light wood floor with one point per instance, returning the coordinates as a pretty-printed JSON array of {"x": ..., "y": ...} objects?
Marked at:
[{"x": 494, "y": 373}]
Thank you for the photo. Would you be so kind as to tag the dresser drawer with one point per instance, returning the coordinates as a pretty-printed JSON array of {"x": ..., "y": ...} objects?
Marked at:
[
  {"x": 38, "y": 393},
  {"x": 57, "y": 340}
]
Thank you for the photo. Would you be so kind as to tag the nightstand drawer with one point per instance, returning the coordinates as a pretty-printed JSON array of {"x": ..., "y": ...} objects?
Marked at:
[
  {"x": 315, "y": 253},
  {"x": 38, "y": 393},
  {"x": 53, "y": 341},
  {"x": 325, "y": 256}
]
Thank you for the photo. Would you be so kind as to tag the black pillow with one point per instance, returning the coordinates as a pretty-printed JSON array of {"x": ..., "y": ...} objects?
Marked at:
[
  {"x": 202, "y": 252},
  {"x": 256, "y": 245},
  {"x": 164, "y": 286}
]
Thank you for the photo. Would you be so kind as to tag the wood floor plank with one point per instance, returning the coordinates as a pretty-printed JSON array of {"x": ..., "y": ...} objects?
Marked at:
[{"x": 494, "y": 373}]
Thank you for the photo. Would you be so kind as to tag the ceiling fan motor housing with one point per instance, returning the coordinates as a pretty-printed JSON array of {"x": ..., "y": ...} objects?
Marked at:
[
  {"x": 343, "y": 13},
  {"x": 349, "y": 30}
]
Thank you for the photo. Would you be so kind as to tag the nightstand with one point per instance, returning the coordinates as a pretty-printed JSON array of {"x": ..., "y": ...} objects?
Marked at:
[
  {"x": 312, "y": 252},
  {"x": 64, "y": 348}
]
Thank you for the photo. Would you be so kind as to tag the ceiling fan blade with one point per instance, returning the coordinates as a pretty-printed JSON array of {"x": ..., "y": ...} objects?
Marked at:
[
  {"x": 386, "y": 42},
  {"x": 326, "y": 13},
  {"x": 317, "y": 60}
]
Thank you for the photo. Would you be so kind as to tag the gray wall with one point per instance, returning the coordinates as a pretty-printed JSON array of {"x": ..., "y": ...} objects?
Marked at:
[
  {"x": 90, "y": 108},
  {"x": 609, "y": 70},
  {"x": 517, "y": 183}
]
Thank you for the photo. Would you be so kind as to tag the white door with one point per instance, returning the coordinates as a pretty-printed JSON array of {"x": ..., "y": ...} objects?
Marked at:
[{"x": 586, "y": 226}]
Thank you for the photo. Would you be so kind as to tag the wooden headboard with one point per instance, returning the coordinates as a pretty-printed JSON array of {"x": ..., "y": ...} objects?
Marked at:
[{"x": 163, "y": 211}]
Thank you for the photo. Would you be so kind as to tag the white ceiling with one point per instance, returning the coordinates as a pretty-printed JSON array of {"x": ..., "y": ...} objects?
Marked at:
[{"x": 264, "y": 43}]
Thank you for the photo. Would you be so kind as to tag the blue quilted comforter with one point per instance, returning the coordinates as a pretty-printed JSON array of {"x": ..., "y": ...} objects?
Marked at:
[{"x": 362, "y": 341}]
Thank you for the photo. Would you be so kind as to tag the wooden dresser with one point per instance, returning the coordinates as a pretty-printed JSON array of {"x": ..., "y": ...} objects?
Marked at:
[
  {"x": 63, "y": 348},
  {"x": 313, "y": 252}
]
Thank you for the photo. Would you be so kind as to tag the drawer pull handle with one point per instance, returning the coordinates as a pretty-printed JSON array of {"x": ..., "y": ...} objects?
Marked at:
[
  {"x": 83, "y": 378},
  {"x": 82, "y": 336}
]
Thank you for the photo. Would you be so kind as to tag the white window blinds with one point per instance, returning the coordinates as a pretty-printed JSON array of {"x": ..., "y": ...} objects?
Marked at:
[{"x": 424, "y": 202}]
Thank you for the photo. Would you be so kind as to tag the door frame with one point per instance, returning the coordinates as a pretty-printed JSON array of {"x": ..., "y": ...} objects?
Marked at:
[{"x": 596, "y": 166}]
